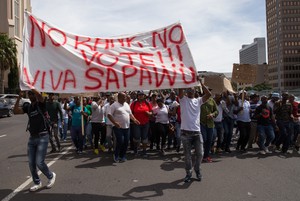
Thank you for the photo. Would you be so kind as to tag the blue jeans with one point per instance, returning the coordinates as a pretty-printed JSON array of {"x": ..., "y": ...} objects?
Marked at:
[
  {"x": 178, "y": 133},
  {"x": 295, "y": 131},
  {"x": 63, "y": 129},
  {"x": 284, "y": 134},
  {"x": 37, "y": 150},
  {"x": 88, "y": 135},
  {"x": 140, "y": 133},
  {"x": 207, "y": 134},
  {"x": 188, "y": 141},
  {"x": 219, "y": 131},
  {"x": 228, "y": 125},
  {"x": 122, "y": 137},
  {"x": 265, "y": 136},
  {"x": 77, "y": 138}
]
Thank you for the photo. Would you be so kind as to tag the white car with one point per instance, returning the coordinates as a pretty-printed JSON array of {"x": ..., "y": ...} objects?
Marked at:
[{"x": 12, "y": 98}]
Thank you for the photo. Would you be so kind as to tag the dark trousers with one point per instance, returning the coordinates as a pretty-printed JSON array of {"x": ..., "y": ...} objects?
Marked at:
[
  {"x": 284, "y": 134},
  {"x": 98, "y": 128},
  {"x": 228, "y": 125},
  {"x": 161, "y": 132},
  {"x": 245, "y": 129}
]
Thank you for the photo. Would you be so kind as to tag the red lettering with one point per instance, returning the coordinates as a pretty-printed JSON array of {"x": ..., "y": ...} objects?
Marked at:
[
  {"x": 121, "y": 41},
  {"x": 107, "y": 59},
  {"x": 88, "y": 61},
  {"x": 84, "y": 43},
  {"x": 98, "y": 40},
  {"x": 162, "y": 40},
  {"x": 129, "y": 55},
  {"x": 143, "y": 77},
  {"x": 170, "y": 54},
  {"x": 174, "y": 37},
  {"x": 160, "y": 57},
  {"x": 109, "y": 43},
  {"x": 193, "y": 76},
  {"x": 90, "y": 75},
  {"x": 43, "y": 80},
  {"x": 63, "y": 35},
  {"x": 111, "y": 78},
  {"x": 144, "y": 60},
  {"x": 129, "y": 40},
  {"x": 54, "y": 87},
  {"x": 127, "y": 75},
  {"x": 27, "y": 77},
  {"x": 179, "y": 52},
  {"x": 72, "y": 79},
  {"x": 164, "y": 73},
  {"x": 42, "y": 33}
]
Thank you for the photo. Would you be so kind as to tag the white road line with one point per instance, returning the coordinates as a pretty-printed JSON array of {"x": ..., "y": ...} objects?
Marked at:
[
  {"x": 28, "y": 181},
  {"x": 3, "y": 135}
]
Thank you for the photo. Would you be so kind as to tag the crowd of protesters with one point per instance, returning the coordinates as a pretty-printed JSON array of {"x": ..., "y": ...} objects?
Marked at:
[
  {"x": 180, "y": 119},
  {"x": 270, "y": 122}
]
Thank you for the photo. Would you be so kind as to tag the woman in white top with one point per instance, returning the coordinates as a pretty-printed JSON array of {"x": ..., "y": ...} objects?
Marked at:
[{"x": 161, "y": 114}]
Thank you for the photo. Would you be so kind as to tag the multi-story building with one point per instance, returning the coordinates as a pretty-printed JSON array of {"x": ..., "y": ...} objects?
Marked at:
[
  {"x": 283, "y": 39},
  {"x": 12, "y": 21},
  {"x": 254, "y": 53},
  {"x": 253, "y": 56}
]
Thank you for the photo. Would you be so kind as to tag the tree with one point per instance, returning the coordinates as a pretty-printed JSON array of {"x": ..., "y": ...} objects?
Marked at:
[
  {"x": 13, "y": 79},
  {"x": 8, "y": 57}
]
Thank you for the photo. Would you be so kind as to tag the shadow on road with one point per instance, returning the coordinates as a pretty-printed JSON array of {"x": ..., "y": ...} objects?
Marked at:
[
  {"x": 136, "y": 193},
  {"x": 154, "y": 190},
  {"x": 29, "y": 196}
]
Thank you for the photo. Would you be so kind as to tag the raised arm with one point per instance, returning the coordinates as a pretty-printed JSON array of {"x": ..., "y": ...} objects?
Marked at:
[{"x": 17, "y": 109}]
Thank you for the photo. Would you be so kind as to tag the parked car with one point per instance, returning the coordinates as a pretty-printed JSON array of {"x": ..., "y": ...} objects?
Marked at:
[
  {"x": 6, "y": 109},
  {"x": 12, "y": 98}
]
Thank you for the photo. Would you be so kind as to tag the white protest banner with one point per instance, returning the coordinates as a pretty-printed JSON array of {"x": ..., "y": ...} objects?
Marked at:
[{"x": 57, "y": 61}]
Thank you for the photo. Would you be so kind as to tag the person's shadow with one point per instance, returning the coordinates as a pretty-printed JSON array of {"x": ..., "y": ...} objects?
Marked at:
[{"x": 155, "y": 190}]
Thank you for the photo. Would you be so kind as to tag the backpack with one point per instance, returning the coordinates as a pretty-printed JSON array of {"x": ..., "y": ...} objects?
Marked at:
[{"x": 46, "y": 118}]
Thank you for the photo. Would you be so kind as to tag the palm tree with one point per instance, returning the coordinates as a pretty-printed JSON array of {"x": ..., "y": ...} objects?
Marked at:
[{"x": 8, "y": 57}]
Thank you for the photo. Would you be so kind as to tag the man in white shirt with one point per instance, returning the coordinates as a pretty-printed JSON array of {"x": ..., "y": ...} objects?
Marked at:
[
  {"x": 120, "y": 115},
  {"x": 190, "y": 129}
]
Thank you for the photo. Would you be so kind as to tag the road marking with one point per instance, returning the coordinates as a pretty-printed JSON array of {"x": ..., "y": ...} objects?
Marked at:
[
  {"x": 28, "y": 181},
  {"x": 2, "y": 135}
]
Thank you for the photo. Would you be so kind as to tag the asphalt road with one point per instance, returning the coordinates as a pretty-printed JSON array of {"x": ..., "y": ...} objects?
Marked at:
[{"x": 231, "y": 177}]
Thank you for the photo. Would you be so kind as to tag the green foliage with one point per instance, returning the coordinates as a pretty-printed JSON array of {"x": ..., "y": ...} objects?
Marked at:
[
  {"x": 8, "y": 56},
  {"x": 13, "y": 79},
  {"x": 259, "y": 87}
]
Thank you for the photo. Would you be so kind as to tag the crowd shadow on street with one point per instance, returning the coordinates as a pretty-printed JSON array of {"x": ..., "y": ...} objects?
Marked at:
[
  {"x": 136, "y": 193},
  {"x": 39, "y": 195}
]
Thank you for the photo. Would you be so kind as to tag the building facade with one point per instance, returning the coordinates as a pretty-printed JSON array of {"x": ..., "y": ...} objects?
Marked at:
[
  {"x": 254, "y": 53},
  {"x": 283, "y": 39},
  {"x": 11, "y": 23}
]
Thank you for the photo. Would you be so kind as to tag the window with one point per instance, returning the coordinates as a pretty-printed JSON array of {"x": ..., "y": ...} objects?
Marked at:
[{"x": 17, "y": 18}]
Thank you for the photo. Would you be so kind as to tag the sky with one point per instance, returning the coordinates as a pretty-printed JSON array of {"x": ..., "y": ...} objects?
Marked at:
[{"x": 215, "y": 29}]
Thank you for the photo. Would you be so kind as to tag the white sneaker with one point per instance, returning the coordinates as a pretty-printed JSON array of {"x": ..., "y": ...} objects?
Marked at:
[
  {"x": 51, "y": 181},
  {"x": 262, "y": 152},
  {"x": 35, "y": 187},
  {"x": 267, "y": 150}
]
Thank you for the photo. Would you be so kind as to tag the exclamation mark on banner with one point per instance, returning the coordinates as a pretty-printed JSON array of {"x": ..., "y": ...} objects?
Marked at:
[
  {"x": 179, "y": 55},
  {"x": 161, "y": 58},
  {"x": 171, "y": 57}
]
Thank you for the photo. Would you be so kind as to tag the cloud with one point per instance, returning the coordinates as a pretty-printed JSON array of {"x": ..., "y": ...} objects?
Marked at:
[{"x": 215, "y": 29}]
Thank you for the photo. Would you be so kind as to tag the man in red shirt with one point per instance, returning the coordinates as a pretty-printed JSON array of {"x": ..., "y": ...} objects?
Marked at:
[{"x": 141, "y": 110}]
